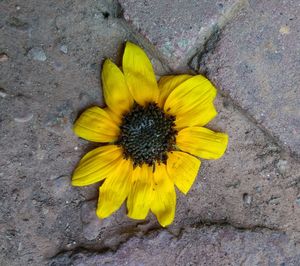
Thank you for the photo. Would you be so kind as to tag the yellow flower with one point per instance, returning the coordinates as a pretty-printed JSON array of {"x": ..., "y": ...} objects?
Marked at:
[{"x": 153, "y": 134}]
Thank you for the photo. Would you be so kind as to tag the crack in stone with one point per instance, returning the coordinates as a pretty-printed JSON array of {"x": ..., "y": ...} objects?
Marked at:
[
  {"x": 226, "y": 223},
  {"x": 213, "y": 36},
  {"x": 136, "y": 36},
  {"x": 197, "y": 63},
  {"x": 199, "y": 48},
  {"x": 90, "y": 251},
  {"x": 267, "y": 132}
]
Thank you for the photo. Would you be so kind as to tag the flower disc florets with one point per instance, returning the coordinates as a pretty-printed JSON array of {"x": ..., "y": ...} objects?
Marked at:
[{"x": 147, "y": 134}]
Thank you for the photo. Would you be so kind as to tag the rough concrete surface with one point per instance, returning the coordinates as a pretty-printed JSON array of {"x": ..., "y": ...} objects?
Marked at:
[
  {"x": 243, "y": 209},
  {"x": 177, "y": 29},
  {"x": 198, "y": 245},
  {"x": 256, "y": 62}
]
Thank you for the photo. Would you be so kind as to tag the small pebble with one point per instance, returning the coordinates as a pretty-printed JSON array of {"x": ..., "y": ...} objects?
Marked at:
[
  {"x": 3, "y": 94},
  {"x": 284, "y": 30},
  {"x": 38, "y": 54},
  {"x": 24, "y": 119},
  {"x": 247, "y": 199},
  {"x": 71, "y": 245},
  {"x": 274, "y": 200},
  {"x": 3, "y": 57},
  {"x": 20, "y": 246},
  {"x": 298, "y": 201},
  {"x": 258, "y": 189},
  {"x": 282, "y": 166},
  {"x": 64, "y": 48},
  {"x": 60, "y": 186}
]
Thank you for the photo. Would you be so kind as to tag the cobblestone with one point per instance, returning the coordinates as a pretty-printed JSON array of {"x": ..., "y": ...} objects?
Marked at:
[{"x": 256, "y": 62}]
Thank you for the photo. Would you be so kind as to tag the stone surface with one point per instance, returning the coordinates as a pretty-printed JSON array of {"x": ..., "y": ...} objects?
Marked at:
[
  {"x": 241, "y": 187},
  {"x": 40, "y": 213},
  {"x": 250, "y": 198},
  {"x": 177, "y": 29},
  {"x": 256, "y": 62},
  {"x": 199, "y": 245},
  {"x": 37, "y": 53}
]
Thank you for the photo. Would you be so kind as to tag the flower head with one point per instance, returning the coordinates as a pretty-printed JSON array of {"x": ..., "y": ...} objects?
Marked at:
[{"x": 153, "y": 135}]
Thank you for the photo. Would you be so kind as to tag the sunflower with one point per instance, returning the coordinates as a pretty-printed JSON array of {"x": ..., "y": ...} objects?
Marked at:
[{"x": 153, "y": 137}]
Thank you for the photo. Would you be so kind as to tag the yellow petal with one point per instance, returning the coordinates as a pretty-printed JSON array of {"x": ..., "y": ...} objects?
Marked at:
[
  {"x": 95, "y": 124},
  {"x": 199, "y": 116},
  {"x": 191, "y": 102},
  {"x": 182, "y": 169},
  {"x": 116, "y": 118},
  {"x": 96, "y": 165},
  {"x": 167, "y": 84},
  {"x": 202, "y": 142},
  {"x": 164, "y": 200},
  {"x": 139, "y": 75},
  {"x": 140, "y": 196},
  {"x": 115, "y": 189},
  {"x": 116, "y": 92}
]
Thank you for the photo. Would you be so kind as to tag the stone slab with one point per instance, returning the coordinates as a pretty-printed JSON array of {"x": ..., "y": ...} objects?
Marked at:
[
  {"x": 199, "y": 245},
  {"x": 53, "y": 54},
  {"x": 178, "y": 28},
  {"x": 255, "y": 60}
]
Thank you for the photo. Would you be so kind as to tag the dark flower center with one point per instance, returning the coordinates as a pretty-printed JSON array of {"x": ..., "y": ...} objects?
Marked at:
[{"x": 147, "y": 134}]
